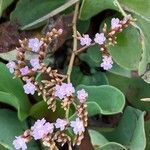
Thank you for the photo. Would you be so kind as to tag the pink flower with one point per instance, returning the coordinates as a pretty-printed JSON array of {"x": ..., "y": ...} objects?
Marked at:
[
  {"x": 41, "y": 128},
  {"x": 64, "y": 90},
  {"x": 85, "y": 40},
  {"x": 60, "y": 123},
  {"x": 107, "y": 62},
  {"x": 127, "y": 18},
  {"x": 20, "y": 143},
  {"x": 11, "y": 66},
  {"x": 99, "y": 38},
  {"x": 78, "y": 127},
  {"x": 115, "y": 23},
  {"x": 82, "y": 95},
  {"x": 29, "y": 87},
  {"x": 69, "y": 89},
  {"x": 35, "y": 63},
  {"x": 34, "y": 44},
  {"x": 59, "y": 91},
  {"x": 60, "y": 31},
  {"x": 24, "y": 71}
]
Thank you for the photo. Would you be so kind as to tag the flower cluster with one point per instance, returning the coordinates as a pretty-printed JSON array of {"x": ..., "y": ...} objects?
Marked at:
[
  {"x": 107, "y": 62},
  {"x": 34, "y": 44},
  {"x": 42, "y": 130},
  {"x": 50, "y": 89},
  {"x": 64, "y": 90},
  {"x": 106, "y": 37},
  {"x": 54, "y": 87},
  {"x": 28, "y": 69}
]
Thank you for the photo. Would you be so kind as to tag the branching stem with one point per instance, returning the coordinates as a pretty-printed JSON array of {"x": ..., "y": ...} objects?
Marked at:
[
  {"x": 74, "y": 42},
  {"x": 74, "y": 48}
]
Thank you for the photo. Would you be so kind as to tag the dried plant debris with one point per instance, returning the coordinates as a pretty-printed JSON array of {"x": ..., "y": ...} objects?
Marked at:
[{"x": 9, "y": 35}]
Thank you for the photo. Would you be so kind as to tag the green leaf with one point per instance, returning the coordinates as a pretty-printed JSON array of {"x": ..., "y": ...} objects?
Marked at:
[
  {"x": 118, "y": 70},
  {"x": 97, "y": 78},
  {"x": 101, "y": 143},
  {"x": 48, "y": 113},
  {"x": 45, "y": 112},
  {"x": 10, "y": 127},
  {"x": 147, "y": 131},
  {"x": 83, "y": 26},
  {"x": 141, "y": 11},
  {"x": 4, "y": 4},
  {"x": 92, "y": 57},
  {"x": 134, "y": 89},
  {"x": 130, "y": 131},
  {"x": 124, "y": 53},
  {"x": 145, "y": 40},
  {"x": 27, "y": 11},
  {"x": 12, "y": 93},
  {"x": 104, "y": 99},
  {"x": 90, "y": 8}
]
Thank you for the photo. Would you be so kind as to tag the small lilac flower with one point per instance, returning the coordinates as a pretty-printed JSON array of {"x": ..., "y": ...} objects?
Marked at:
[
  {"x": 24, "y": 71},
  {"x": 82, "y": 95},
  {"x": 60, "y": 31},
  {"x": 29, "y": 87},
  {"x": 68, "y": 88},
  {"x": 60, "y": 123},
  {"x": 20, "y": 143},
  {"x": 34, "y": 44},
  {"x": 127, "y": 18},
  {"x": 59, "y": 91},
  {"x": 78, "y": 127},
  {"x": 11, "y": 66},
  {"x": 35, "y": 63},
  {"x": 64, "y": 90},
  {"x": 85, "y": 40},
  {"x": 115, "y": 23},
  {"x": 99, "y": 38},
  {"x": 107, "y": 62},
  {"x": 41, "y": 128}
]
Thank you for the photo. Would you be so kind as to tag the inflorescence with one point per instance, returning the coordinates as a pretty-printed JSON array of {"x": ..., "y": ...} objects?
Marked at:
[
  {"x": 54, "y": 88},
  {"x": 106, "y": 38}
]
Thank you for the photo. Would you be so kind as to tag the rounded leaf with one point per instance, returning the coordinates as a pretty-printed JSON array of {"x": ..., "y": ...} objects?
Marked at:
[{"x": 104, "y": 99}]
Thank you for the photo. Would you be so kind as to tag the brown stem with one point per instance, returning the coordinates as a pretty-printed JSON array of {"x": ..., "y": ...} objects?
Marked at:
[
  {"x": 83, "y": 48},
  {"x": 74, "y": 49},
  {"x": 74, "y": 42}
]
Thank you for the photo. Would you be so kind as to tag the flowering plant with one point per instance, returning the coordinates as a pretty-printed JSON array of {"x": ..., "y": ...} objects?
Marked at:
[{"x": 72, "y": 82}]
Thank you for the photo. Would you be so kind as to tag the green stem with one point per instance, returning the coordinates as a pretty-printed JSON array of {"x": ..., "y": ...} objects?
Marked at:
[{"x": 120, "y": 8}]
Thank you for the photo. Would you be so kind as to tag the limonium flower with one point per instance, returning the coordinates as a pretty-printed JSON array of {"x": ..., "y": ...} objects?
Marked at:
[
  {"x": 82, "y": 95},
  {"x": 34, "y": 44},
  {"x": 64, "y": 90},
  {"x": 69, "y": 89},
  {"x": 29, "y": 87},
  {"x": 126, "y": 18},
  {"x": 99, "y": 38},
  {"x": 85, "y": 40},
  {"x": 61, "y": 123},
  {"x": 107, "y": 62},
  {"x": 41, "y": 128},
  {"x": 115, "y": 23},
  {"x": 35, "y": 63},
  {"x": 20, "y": 143},
  {"x": 11, "y": 66},
  {"x": 59, "y": 91},
  {"x": 24, "y": 71},
  {"x": 77, "y": 126}
]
